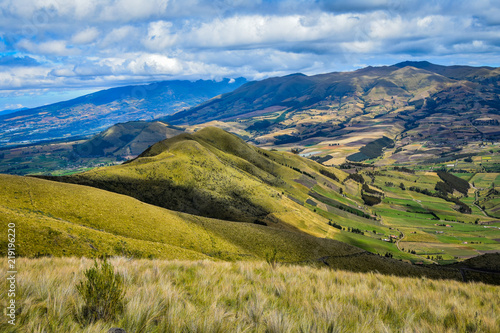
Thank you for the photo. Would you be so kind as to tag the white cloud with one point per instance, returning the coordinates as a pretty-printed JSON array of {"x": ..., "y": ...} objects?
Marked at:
[
  {"x": 53, "y": 47},
  {"x": 13, "y": 106},
  {"x": 258, "y": 29},
  {"x": 120, "y": 36},
  {"x": 86, "y": 36},
  {"x": 159, "y": 36},
  {"x": 155, "y": 64},
  {"x": 129, "y": 10}
]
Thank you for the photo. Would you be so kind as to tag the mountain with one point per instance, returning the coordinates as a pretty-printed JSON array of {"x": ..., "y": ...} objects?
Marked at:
[
  {"x": 396, "y": 211},
  {"x": 338, "y": 113},
  {"x": 95, "y": 112},
  {"x": 470, "y": 73},
  {"x": 215, "y": 174},
  {"x": 7, "y": 111},
  {"x": 126, "y": 140}
]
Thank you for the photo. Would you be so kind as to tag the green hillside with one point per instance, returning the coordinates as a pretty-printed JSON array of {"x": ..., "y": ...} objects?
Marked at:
[
  {"x": 64, "y": 219},
  {"x": 58, "y": 219},
  {"x": 399, "y": 212},
  {"x": 126, "y": 140},
  {"x": 216, "y": 174}
]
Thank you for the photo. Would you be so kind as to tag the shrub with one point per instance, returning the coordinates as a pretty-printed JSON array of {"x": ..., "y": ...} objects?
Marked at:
[
  {"x": 443, "y": 187},
  {"x": 356, "y": 177},
  {"x": 454, "y": 182},
  {"x": 370, "y": 200},
  {"x": 367, "y": 189},
  {"x": 272, "y": 258},
  {"x": 102, "y": 292},
  {"x": 329, "y": 174}
]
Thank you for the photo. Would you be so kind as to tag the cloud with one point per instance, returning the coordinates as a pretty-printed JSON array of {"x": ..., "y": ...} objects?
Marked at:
[
  {"x": 13, "y": 106},
  {"x": 57, "y": 44},
  {"x": 53, "y": 47},
  {"x": 159, "y": 36},
  {"x": 86, "y": 36}
]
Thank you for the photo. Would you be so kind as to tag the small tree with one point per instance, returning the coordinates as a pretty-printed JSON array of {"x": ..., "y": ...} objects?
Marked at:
[{"x": 102, "y": 292}]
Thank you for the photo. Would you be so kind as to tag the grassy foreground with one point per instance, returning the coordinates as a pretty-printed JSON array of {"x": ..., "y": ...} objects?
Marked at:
[{"x": 207, "y": 296}]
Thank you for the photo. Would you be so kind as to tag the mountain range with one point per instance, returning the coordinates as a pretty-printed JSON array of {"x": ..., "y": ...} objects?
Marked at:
[
  {"x": 440, "y": 109},
  {"x": 96, "y": 112},
  {"x": 278, "y": 159},
  {"x": 444, "y": 106}
]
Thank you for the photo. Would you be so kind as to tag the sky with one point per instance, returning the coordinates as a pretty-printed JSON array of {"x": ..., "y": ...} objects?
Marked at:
[{"x": 53, "y": 50}]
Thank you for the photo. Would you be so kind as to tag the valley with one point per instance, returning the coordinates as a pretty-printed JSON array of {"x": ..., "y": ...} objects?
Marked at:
[
  {"x": 356, "y": 193},
  {"x": 389, "y": 211},
  {"x": 268, "y": 166},
  {"x": 363, "y": 169}
]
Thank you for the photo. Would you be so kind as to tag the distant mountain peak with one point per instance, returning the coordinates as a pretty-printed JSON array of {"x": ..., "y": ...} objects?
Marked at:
[
  {"x": 295, "y": 74},
  {"x": 417, "y": 64}
]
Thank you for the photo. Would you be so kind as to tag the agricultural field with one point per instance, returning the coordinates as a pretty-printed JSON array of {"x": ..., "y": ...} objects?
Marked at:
[{"x": 429, "y": 226}]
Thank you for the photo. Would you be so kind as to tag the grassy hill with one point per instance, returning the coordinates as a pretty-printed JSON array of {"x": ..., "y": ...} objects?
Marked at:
[
  {"x": 216, "y": 174},
  {"x": 396, "y": 212},
  {"x": 114, "y": 145},
  {"x": 126, "y": 140},
  {"x": 59, "y": 219},
  {"x": 64, "y": 219}
]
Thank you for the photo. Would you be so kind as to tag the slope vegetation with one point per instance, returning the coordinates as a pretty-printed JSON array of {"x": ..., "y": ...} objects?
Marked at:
[
  {"x": 215, "y": 174},
  {"x": 126, "y": 140},
  {"x": 65, "y": 219},
  {"x": 58, "y": 219}
]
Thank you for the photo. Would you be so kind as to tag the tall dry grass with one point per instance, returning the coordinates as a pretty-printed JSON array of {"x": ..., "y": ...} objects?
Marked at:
[{"x": 206, "y": 296}]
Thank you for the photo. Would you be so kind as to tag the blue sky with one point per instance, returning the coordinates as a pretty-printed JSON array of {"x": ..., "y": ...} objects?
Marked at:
[{"x": 51, "y": 50}]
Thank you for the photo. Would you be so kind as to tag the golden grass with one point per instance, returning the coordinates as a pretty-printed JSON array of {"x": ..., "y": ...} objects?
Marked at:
[
  {"x": 206, "y": 296},
  {"x": 62, "y": 219}
]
